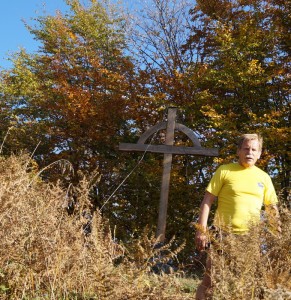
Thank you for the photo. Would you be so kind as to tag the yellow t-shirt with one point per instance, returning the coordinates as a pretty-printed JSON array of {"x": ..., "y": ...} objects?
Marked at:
[{"x": 241, "y": 193}]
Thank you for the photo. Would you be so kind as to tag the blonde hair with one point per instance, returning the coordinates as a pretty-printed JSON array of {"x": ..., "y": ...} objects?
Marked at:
[{"x": 249, "y": 137}]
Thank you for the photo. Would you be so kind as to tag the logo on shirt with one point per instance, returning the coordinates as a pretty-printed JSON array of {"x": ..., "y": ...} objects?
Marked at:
[{"x": 260, "y": 185}]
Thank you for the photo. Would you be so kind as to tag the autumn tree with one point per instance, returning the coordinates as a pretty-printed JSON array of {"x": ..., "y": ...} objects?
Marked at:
[
  {"x": 75, "y": 98},
  {"x": 244, "y": 84}
]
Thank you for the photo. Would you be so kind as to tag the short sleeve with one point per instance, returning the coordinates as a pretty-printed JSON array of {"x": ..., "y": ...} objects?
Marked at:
[
  {"x": 216, "y": 182},
  {"x": 270, "y": 196}
]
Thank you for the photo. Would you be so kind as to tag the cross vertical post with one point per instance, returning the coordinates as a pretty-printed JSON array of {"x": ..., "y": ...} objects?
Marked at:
[
  {"x": 168, "y": 149},
  {"x": 167, "y": 164}
]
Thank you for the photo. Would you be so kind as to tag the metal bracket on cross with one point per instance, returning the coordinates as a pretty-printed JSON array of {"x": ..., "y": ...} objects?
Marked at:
[{"x": 168, "y": 149}]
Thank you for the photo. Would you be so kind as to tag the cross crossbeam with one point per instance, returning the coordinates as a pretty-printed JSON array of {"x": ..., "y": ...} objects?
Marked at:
[{"x": 168, "y": 149}]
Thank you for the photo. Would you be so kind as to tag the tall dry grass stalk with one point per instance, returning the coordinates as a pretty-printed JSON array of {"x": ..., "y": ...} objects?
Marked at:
[
  {"x": 46, "y": 254},
  {"x": 253, "y": 266}
]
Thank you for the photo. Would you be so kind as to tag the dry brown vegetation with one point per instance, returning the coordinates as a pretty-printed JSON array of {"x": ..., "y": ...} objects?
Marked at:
[
  {"x": 45, "y": 252},
  {"x": 253, "y": 266}
]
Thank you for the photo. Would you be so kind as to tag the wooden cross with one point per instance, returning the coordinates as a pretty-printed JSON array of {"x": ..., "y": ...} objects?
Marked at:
[{"x": 168, "y": 149}]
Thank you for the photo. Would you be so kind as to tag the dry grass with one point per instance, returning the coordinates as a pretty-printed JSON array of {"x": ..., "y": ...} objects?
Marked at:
[
  {"x": 253, "y": 266},
  {"x": 45, "y": 254}
]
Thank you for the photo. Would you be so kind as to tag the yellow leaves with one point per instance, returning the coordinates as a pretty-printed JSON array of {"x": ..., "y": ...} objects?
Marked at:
[
  {"x": 254, "y": 68},
  {"x": 161, "y": 107},
  {"x": 72, "y": 36},
  {"x": 21, "y": 79},
  {"x": 178, "y": 74},
  {"x": 199, "y": 71},
  {"x": 273, "y": 117},
  {"x": 204, "y": 96},
  {"x": 211, "y": 113},
  {"x": 224, "y": 36},
  {"x": 218, "y": 160}
]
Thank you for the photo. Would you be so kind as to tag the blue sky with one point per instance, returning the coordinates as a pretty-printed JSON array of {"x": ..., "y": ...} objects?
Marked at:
[{"x": 13, "y": 33}]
